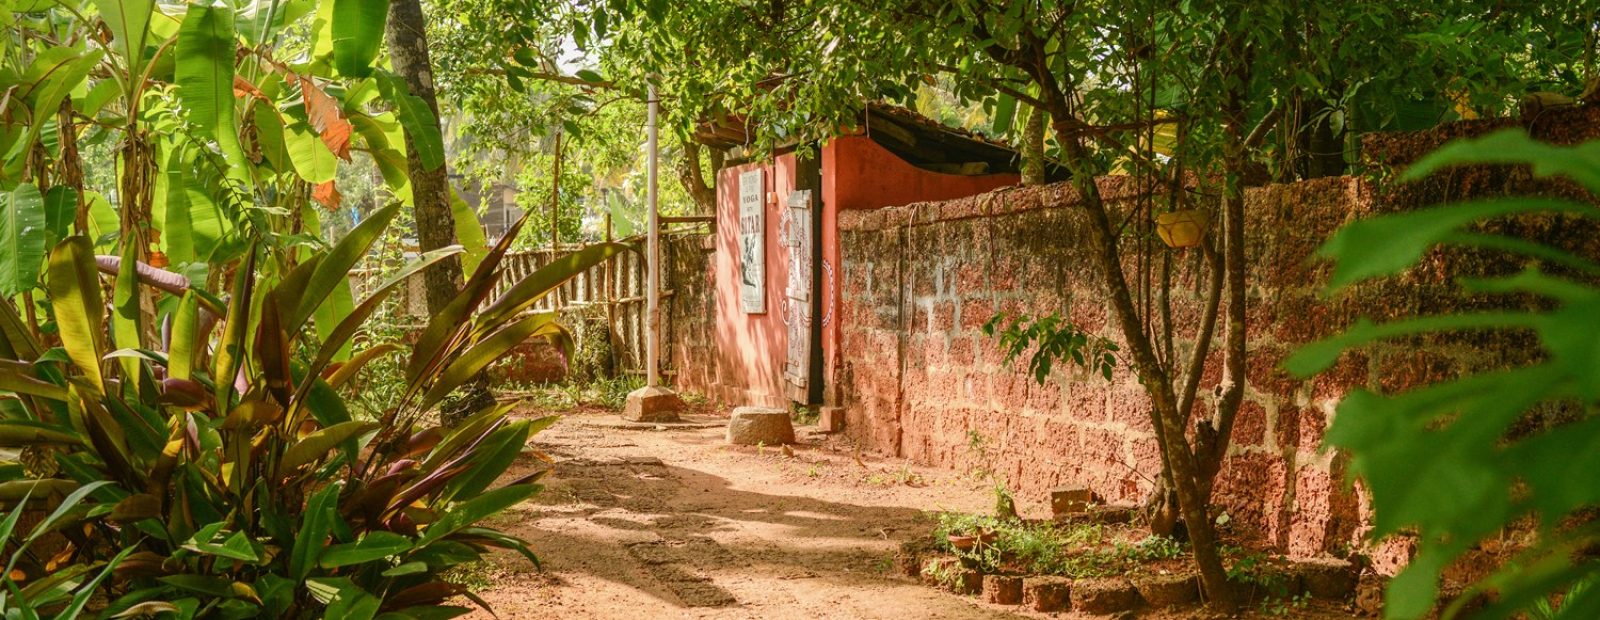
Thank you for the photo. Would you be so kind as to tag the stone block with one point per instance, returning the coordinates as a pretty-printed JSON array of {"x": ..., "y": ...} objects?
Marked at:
[
  {"x": 1104, "y": 515},
  {"x": 947, "y": 572},
  {"x": 1067, "y": 500},
  {"x": 1104, "y": 596},
  {"x": 749, "y": 426},
  {"x": 937, "y": 569},
  {"x": 831, "y": 419},
  {"x": 909, "y": 558},
  {"x": 1046, "y": 593},
  {"x": 1002, "y": 589},
  {"x": 1168, "y": 590},
  {"x": 652, "y": 404},
  {"x": 968, "y": 582},
  {"x": 1328, "y": 578}
]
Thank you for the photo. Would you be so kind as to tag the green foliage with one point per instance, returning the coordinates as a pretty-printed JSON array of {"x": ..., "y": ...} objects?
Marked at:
[
  {"x": 1052, "y": 340},
  {"x": 1443, "y": 461},
  {"x": 357, "y": 34},
  {"x": 23, "y": 234},
  {"x": 259, "y": 494},
  {"x": 1075, "y": 550},
  {"x": 204, "y": 66}
]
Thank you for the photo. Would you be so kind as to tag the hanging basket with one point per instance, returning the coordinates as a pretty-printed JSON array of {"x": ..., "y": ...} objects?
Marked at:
[{"x": 1181, "y": 229}]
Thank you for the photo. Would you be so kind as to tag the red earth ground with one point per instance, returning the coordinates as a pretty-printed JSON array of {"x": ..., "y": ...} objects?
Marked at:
[{"x": 640, "y": 524}]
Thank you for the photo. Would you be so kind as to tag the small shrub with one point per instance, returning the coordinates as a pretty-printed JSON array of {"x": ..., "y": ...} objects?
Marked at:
[{"x": 613, "y": 393}]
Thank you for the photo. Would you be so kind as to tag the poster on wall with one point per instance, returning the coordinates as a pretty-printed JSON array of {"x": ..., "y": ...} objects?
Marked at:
[{"x": 753, "y": 242}]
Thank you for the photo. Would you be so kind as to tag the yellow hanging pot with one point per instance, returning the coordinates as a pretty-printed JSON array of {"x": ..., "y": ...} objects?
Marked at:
[{"x": 1181, "y": 229}]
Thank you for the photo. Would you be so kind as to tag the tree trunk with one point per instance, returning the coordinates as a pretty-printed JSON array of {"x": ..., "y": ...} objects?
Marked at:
[
  {"x": 1168, "y": 421},
  {"x": 555, "y": 207},
  {"x": 430, "y": 188},
  {"x": 1321, "y": 150},
  {"x": 407, "y": 37},
  {"x": 1186, "y": 474},
  {"x": 1033, "y": 148},
  {"x": 71, "y": 174},
  {"x": 689, "y": 173},
  {"x": 1211, "y": 442}
]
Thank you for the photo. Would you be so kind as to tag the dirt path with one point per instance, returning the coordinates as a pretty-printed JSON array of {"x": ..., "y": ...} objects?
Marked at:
[{"x": 673, "y": 524}]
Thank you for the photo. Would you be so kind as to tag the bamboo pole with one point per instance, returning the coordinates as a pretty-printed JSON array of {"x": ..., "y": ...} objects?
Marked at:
[
  {"x": 555, "y": 215},
  {"x": 652, "y": 341}
]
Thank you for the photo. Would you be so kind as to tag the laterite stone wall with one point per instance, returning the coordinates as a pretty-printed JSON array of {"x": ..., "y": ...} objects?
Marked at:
[{"x": 921, "y": 381}]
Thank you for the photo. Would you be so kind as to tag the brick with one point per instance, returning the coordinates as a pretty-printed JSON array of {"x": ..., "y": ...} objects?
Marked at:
[
  {"x": 1250, "y": 424},
  {"x": 1312, "y": 424},
  {"x": 1047, "y": 594},
  {"x": 1069, "y": 499},
  {"x": 961, "y": 352},
  {"x": 1002, "y": 589},
  {"x": 1168, "y": 590},
  {"x": 1328, "y": 578},
  {"x": 1264, "y": 373},
  {"x": 1103, "y": 596}
]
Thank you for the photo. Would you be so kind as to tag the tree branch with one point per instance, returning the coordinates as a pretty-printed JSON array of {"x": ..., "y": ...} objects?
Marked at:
[{"x": 547, "y": 77}]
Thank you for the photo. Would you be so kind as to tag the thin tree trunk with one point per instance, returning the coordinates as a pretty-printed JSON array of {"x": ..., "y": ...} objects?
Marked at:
[
  {"x": 1167, "y": 420},
  {"x": 1213, "y": 439},
  {"x": 1186, "y": 473},
  {"x": 1033, "y": 148},
  {"x": 430, "y": 190},
  {"x": 406, "y": 33},
  {"x": 72, "y": 166},
  {"x": 555, "y": 204}
]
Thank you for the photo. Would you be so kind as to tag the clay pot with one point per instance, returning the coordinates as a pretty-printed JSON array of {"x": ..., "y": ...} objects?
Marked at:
[
  {"x": 1181, "y": 229},
  {"x": 965, "y": 542}
]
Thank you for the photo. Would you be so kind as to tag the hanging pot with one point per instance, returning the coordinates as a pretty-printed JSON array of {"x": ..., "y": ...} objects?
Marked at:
[{"x": 1181, "y": 229}]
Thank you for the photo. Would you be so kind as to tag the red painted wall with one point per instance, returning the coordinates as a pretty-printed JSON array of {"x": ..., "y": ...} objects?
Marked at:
[
  {"x": 751, "y": 347},
  {"x": 857, "y": 173},
  {"x": 861, "y": 174}
]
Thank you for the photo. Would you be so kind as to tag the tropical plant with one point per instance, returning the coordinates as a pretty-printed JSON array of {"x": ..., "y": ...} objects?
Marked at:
[
  {"x": 227, "y": 124},
  {"x": 214, "y": 471},
  {"x": 1457, "y": 461}
]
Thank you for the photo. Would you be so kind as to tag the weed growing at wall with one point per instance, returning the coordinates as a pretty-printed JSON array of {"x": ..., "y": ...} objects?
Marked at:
[{"x": 1052, "y": 340}]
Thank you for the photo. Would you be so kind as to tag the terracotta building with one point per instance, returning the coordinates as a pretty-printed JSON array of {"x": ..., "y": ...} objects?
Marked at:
[{"x": 776, "y": 263}]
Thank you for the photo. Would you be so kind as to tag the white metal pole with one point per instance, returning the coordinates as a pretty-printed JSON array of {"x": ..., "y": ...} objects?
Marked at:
[{"x": 652, "y": 341}]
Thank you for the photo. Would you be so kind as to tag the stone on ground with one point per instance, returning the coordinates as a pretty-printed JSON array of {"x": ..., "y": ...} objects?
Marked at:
[
  {"x": 1103, "y": 596},
  {"x": 1002, "y": 589},
  {"x": 1046, "y": 593},
  {"x": 652, "y": 404},
  {"x": 1069, "y": 499},
  {"x": 1328, "y": 578},
  {"x": 751, "y": 426},
  {"x": 908, "y": 560},
  {"x": 1168, "y": 590},
  {"x": 831, "y": 419},
  {"x": 969, "y": 582}
]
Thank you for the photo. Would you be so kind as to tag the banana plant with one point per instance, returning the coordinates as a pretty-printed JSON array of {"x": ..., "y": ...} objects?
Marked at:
[
  {"x": 218, "y": 473},
  {"x": 227, "y": 119}
]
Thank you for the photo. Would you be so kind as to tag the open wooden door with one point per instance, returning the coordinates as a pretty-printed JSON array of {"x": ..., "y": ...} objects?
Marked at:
[{"x": 801, "y": 252}]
